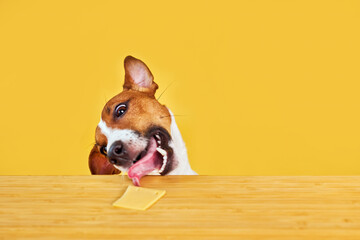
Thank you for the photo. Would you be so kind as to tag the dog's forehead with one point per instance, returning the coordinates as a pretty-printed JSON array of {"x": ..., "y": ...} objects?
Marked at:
[
  {"x": 143, "y": 112},
  {"x": 121, "y": 97}
]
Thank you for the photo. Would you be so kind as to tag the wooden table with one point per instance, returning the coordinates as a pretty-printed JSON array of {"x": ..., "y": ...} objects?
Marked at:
[{"x": 195, "y": 207}]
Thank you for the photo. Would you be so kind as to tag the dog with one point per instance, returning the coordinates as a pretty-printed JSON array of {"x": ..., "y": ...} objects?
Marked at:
[{"x": 136, "y": 133}]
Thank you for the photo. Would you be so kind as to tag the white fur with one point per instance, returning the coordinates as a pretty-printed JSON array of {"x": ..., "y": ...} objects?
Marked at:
[
  {"x": 127, "y": 136},
  {"x": 180, "y": 152}
]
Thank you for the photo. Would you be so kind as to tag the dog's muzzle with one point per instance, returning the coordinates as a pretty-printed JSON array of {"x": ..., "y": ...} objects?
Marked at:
[{"x": 118, "y": 154}]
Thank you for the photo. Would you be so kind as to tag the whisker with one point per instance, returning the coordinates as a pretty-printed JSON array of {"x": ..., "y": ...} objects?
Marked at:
[
  {"x": 175, "y": 115},
  {"x": 165, "y": 90}
]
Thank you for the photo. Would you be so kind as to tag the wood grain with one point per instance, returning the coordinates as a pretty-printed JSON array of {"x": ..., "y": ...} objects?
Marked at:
[{"x": 195, "y": 207}]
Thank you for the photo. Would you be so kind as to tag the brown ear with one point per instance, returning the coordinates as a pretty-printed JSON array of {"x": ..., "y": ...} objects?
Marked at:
[
  {"x": 99, "y": 164},
  {"x": 138, "y": 76}
]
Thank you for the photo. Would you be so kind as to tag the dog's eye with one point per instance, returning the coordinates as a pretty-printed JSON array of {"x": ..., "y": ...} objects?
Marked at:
[
  {"x": 103, "y": 150},
  {"x": 120, "y": 110}
]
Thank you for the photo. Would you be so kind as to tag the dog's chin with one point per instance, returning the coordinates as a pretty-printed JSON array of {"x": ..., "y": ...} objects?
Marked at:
[{"x": 121, "y": 168}]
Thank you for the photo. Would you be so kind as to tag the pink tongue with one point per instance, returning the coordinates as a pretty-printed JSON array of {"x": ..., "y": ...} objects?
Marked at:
[{"x": 147, "y": 164}]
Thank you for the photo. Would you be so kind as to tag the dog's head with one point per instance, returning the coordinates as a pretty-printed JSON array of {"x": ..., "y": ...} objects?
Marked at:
[{"x": 134, "y": 133}]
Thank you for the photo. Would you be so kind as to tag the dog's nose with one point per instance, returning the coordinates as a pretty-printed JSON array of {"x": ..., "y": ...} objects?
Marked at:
[
  {"x": 117, "y": 150},
  {"x": 117, "y": 153}
]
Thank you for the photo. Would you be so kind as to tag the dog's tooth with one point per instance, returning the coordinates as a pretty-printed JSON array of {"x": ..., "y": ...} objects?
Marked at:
[
  {"x": 164, "y": 163},
  {"x": 165, "y": 157},
  {"x": 163, "y": 166},
  {"x": 161, "y": 151}
]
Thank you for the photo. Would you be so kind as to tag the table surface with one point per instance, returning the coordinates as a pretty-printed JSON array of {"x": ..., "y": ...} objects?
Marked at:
[{"x": 194, "y": 207}]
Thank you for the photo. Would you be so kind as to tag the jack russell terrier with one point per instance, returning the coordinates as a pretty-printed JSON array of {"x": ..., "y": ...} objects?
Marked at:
[{"x": 137, "y": 134}]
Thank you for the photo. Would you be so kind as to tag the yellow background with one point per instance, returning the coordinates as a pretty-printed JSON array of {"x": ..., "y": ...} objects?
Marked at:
[{"x": 263, "y": 87}]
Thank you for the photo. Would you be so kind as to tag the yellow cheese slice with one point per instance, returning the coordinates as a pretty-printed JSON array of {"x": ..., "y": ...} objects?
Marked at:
[{"x": 139, "y": 198}]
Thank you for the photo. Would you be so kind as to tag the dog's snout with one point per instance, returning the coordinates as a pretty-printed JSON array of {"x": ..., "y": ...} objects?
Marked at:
[
  {"x": 117, "y": 149},
  {"x": 117, "y": 153}
]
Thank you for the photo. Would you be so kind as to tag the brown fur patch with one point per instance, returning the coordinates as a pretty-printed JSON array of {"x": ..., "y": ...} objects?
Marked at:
[
  {"x": 143, "y": 112},
  {"x": 100, "y": 138},
  {"x": 99, "y": 164}
]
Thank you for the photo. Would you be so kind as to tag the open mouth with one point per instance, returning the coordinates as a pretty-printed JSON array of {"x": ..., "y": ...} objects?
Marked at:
[{"x": 155, "y": 158}]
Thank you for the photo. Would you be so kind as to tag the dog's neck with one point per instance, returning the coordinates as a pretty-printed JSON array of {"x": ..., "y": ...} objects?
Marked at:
[{"x": 180, "y": 153}]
